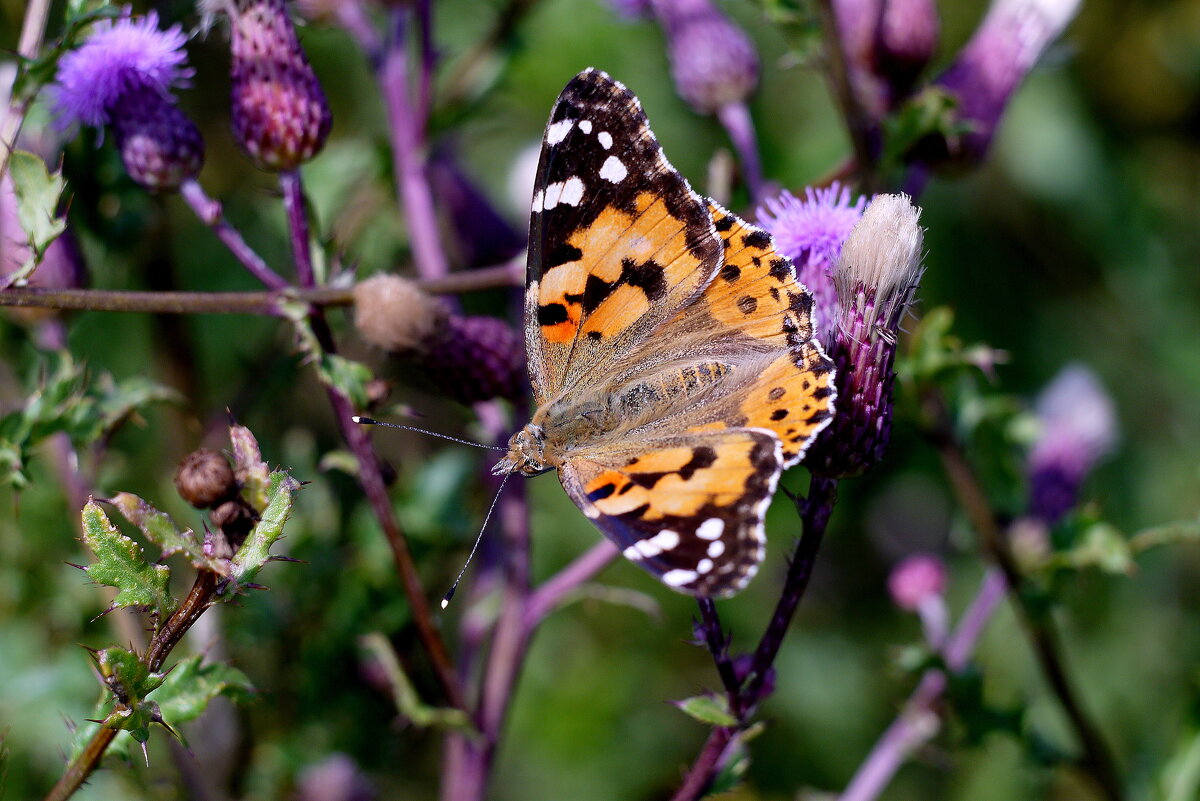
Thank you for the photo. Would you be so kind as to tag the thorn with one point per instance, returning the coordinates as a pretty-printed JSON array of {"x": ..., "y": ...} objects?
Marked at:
[
  {"x": 287, "y": 559},
  {"x": 253, "y": 586},
  {"x": 146, "y": 754},
  {"x": 93, "y": 720},
  {"x": 81, "y": 567}
]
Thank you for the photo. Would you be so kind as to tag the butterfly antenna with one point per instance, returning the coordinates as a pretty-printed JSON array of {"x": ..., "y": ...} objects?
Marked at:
[
  {"x": 454, "y": 587},
  {"x": 368, "y": 421}
]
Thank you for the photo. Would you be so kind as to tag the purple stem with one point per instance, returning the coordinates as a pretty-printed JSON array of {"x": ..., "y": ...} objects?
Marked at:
[
  {"x": 293, "y": 204},
  {"x": 918, "y": 722},
  {"x": 740, "y": 127},
  {"x": 405, "y": 120},
  {"x": 211, "y": 214},
  {"x": 554, "y": 591}
]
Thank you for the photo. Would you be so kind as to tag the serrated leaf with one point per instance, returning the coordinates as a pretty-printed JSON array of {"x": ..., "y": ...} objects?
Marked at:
[
  {"x": 190, "y": 686},
  {"x": 710, "y": 709},
  {"x": 38, "y": 193},
  {"x": 251, "y": 471},
  {"x": 256, "y": 550},
  {"x": 121, "y": 563},
  {"x": 160, "y": 529},
  {"x": 347, "y": 376},
  {"x": 130, "y": 681}
]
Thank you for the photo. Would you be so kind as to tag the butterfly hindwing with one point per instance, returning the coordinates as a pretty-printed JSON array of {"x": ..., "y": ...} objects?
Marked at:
[
  {"x": 689, "y": 509},
  {"x": 618, "y": 240}
]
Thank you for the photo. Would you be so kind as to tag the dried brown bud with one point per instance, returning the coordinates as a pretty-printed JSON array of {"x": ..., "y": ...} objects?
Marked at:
[
  {"x": 204, "y": 478},
  {"x": 393, "y": 313},
  {"x": 235, "y": 519}
]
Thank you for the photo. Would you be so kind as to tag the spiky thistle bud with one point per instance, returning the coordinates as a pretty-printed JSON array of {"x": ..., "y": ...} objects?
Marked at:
[
  {"x": 122, "y": 77},
  {"x": 468, "y": 358},
  {"x": 1078, "y": 427},
  {"x": 992, "y": 65},
  {"x": 713, "y": 62},
  {"x": 280, "y": 114},
  {"x": 204, "y": 478},
  {"x": 875, "y": 278}
]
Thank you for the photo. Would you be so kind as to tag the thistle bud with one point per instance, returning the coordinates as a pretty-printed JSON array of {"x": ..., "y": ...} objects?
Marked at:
[
  {"x": 280, "y": 114},
  {"x": 992, "y": 65},
  {"x": 875, "y": 279},
  {"x": 204, "y": 478},
  {"x": 468, "y": 358},
  {"x": 887, "y": 43},
  {"x": 712, "y": 61},
  {"x": 122, "y": 77},
  {"x": 916, "y": 585},
  {"x": 1078, "y": 428}
]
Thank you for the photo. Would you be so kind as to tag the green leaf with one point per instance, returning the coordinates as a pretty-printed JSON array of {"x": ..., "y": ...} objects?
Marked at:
[
  {"x": 190, "y": 686},
  {"x": 130, "y": 681},
  {"x": 256, "y": 550},
  {"x": 120, "y": 563},
  {"x": 404, "y": 694},
  {"x": 1100, "y": 545},
  {"x": 348, "y": 377},
  {"x": 38, "y": 192},
  {"x": 710, "y": 709},
  {"x": 160, "y": 529},
  {"x": 251, "y": 471}
]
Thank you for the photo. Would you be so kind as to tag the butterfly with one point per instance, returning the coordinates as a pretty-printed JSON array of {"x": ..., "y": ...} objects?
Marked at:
[{"x": 670, "y": 349}]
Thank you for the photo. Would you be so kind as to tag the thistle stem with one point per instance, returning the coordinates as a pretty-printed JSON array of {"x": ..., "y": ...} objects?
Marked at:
[
  {"x": 858, "y": 124},
  {"x": 211, "y": 214},
  {"x": 738, "y": 123},
  {"x": 1097, "y": 760},
  {"x": 297, "y": 217},
  {"x": 554, "y": 590}
]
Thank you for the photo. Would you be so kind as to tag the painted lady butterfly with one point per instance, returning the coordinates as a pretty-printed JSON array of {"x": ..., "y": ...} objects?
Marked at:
[{"x": 670, "y": 348}]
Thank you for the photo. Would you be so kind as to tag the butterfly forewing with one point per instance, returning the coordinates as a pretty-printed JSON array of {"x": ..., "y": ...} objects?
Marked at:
[{"x": 618, "y": 240}]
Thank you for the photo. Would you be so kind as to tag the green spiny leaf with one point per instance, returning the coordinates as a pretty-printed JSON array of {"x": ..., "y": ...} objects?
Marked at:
[
  {"x": 38, "y": 192},
  {"x": 190, "y": 686},
  {"x": 256, "y": 550},
  {"x": 160, "y": 529},
  {"x": 121, "y": 563},
  {"x": 710, "y": 709},
  {"x": 130, "y": 681}
]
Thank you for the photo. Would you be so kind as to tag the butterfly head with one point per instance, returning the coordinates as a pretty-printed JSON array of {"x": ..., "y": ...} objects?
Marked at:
[{"x": 526, "y": 453}]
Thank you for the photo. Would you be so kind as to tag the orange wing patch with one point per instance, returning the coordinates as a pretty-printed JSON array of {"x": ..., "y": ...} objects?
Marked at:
[{"x": 793, "y": 398}]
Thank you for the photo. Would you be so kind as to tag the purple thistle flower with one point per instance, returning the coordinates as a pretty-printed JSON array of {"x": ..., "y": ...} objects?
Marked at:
[
  {"x": 122, "y": 76},
  {"x": 989, "y": 68},
  {"x": 280, "y": 114},
  {"x": 712, "y": 61},
  {"x": 887, "y": 45},
  {"x": 810, "y": 232},
  {"x": 1078, "y": 428},
  {"x": 875, "y": 278}
]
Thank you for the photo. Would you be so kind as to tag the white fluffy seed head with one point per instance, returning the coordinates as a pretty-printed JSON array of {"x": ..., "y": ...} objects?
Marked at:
[
  {"x": 882, "y": 257},
  {"x": 393, "y": 313}
]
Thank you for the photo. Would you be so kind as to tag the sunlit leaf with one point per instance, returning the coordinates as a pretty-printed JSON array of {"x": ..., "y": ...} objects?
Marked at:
[
  {"x": 121, "y": 563},
  {"x": 160, "y": 529},
  {"x": 256, "y": 550}
]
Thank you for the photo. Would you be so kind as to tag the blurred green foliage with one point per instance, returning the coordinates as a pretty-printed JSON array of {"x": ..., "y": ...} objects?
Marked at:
[{"x": 1076, "y": 241}]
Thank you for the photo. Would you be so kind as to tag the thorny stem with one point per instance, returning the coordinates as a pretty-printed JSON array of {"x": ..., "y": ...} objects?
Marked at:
[
  {"x": 262, "y": 303},
  {"x": 406, "y": 124},
  {"x": 211, "y": 214},
  {"x": 369, "y": 475},
  {"x": 858, "y": 124},
  {"x": 197, "y": 601},
  {"x": 718, "y": 645},
  {"x": 33, "y": 29},
  {"x": 814, "y": 516},
  {"x": 1097, "y": 761}
]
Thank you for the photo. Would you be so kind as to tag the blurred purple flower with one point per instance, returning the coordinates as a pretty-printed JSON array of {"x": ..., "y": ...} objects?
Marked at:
[
  {"x": 118, "y": 57},
  {"x": 993, "y": 63},
  {"x": 887, "y": 44},
  {"x": 712, "y": 61},
  {"x": 810, "y": 232},
  {"x": 1078, "y": 429},
  {"x": 917, "y": 585},
  {"x": 122, "y": 76},
  {"x": 280, "y": 114},
  {"x": 336, "y": 778}
]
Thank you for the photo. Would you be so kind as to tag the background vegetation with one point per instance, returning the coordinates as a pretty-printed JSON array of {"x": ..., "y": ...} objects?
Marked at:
[{"x": 1076, "y": 241}]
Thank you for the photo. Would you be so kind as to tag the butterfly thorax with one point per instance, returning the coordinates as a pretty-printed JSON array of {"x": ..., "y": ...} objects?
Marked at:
[{"x": 541, "y": 445}]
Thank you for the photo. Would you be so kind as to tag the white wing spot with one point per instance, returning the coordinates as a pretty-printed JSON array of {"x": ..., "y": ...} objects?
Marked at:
[
  {"x": 704, "y": 565},
  {"x": 716, "y": 548},
  {"x": 572, "y": 192},
  {"x": 632, "y": 553},
  {"x": 650, "y": 547},
  {"x": 605, "y": 139},
  {"x": 711, "y": 529},
  {"x": 553, "y": 193},
  {"x": 585, "y": 126},
  {"x": 677, "y": 578},
  {"x": 537, "y": 201},
  {"x": 558, "y": 131},
  {"x": 613, "y": 170}
]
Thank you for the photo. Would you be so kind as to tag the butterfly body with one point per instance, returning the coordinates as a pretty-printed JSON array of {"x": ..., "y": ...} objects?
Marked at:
[{"x": 671, "y": 351}]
